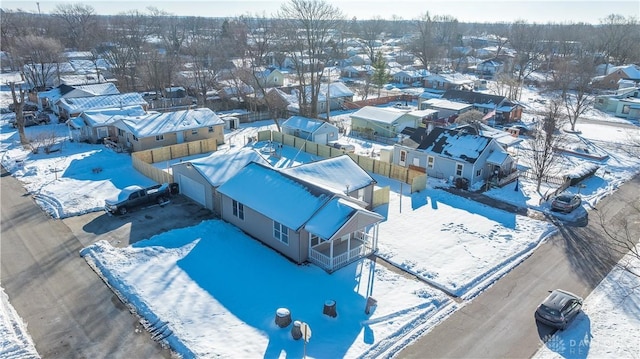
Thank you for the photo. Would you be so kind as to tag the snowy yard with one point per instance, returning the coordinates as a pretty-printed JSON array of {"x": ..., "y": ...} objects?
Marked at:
[{"x": 208, "y": 288}]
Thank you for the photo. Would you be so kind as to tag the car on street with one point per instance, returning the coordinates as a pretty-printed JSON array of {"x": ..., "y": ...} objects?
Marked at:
[
  {"x": 566, "y": 203},
  {"x": 559, "y": 309}
]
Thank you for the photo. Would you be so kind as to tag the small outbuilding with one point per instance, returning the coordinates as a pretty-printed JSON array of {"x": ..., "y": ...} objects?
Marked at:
[{"x": 309, "y": 129}]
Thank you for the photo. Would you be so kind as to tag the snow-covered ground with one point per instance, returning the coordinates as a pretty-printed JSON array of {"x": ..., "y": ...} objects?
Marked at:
[{"x": 214, "y": 288}]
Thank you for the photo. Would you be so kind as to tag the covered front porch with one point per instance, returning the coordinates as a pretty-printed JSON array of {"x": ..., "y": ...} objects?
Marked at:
[{"x": 336, "y": 253}]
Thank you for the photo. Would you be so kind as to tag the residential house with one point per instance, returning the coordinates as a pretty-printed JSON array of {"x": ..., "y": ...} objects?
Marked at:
[
  {"x": 309, "y": 129},
  {"x": 73, "y": 107},
  {"x": 200, "y": 178},
  {"x": 445, "y": 108},
  {"x": 261, "y": 77},
  {"x": 47, "y": 99},
  {"x": 617, "y": 73},
  {"x": 333, "y": 95},
  {"x": 341, "y": 174},
  {"x": 488, "y": 69},
  {"x": 499, "y": 109},
  {"x": 383, "y": 121},
  {"x": 624, "y": 103},
  {"x": 96, "y": 125},
  {"x": 301, "y": 220},
  {"x": 409, "y": 77},
  {"x": 447, "y": 81},
  {"x": 450, "y": 154},
  {"x": 169, "y": 128},
  {"x": 356, "y": 71}
]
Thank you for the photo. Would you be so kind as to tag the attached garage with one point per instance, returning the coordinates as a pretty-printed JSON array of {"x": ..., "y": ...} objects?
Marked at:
[
  {"x": 192, "y": 189},
  {"x": 199, "y": 179}
]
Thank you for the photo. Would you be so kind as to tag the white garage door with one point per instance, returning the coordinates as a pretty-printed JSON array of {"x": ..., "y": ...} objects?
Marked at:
[{"x": 192, "y": 189}]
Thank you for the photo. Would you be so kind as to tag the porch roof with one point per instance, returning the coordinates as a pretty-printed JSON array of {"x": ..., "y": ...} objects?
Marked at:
[
  {"x": 497, "y": 158},
  {"x": 335, "y": 214}
]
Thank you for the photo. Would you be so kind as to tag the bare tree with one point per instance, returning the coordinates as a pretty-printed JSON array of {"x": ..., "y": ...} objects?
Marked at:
[
  {"x": 574, "y": 80},
  {"x": 261, "y": 42},
  {"x": 423, "y": 46},
  {"x": 79, "y": 24},
  {"x": 615, "y": 36},
  {"x": 369, "y": 34},
  {"x": 40, "y": 58},
  {"x": 622, "y": 232},
  {"x": 470, "y": 117},
  {"x": 308, "y": 24},
  {"x": 543, "y": 142},
  {"x": 125, "y": 53},
  {"x": 524, "y": 39},
  {"x": 18, "y": 103}
]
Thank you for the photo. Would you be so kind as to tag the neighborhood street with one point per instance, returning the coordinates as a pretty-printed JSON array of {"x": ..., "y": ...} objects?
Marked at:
[
  {"x": 70, "y": 312},
  {"x": 499, "y": 323}
]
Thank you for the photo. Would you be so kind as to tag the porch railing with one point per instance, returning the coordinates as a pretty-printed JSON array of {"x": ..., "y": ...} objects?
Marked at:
[{"x": 341, "y": 260}]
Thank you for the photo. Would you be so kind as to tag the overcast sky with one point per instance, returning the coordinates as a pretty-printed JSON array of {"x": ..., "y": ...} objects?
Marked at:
[{"x": 540, "y": 11}]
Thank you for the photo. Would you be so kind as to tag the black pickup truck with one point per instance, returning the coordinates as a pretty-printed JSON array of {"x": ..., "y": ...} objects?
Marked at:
[{"x": 134, "y": 196}]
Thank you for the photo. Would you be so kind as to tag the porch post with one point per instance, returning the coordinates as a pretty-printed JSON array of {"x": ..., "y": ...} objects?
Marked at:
[
  {"x": 349, "y": 248},
  {"x": 375, "y": 237},
  {"x": 309, "y": 249},
  {"x": 331, "y": 254}
]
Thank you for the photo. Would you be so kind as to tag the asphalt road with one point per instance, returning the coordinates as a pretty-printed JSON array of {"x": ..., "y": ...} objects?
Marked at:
[
  {"x": 499, "y": 323},
  {"x": 70, "y": 312}
]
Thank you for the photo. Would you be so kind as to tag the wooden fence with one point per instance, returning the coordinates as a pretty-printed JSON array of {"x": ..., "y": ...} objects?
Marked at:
[
  {"x": 143, "y": 160},
  {"x": 380, "y": 196}
]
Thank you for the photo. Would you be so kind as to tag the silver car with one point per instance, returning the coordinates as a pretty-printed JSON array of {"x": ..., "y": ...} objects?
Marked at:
[
  {"x": 566, "y": 203},
  {"x": 559, "y": 309}
]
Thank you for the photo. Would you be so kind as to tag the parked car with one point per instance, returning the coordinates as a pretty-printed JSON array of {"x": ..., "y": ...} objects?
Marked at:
[
  {"x": 343, "y": 146},
  {"x": 566, "y": 203},
  {"x": 32, "y": 119},
  {"x": 134, "y": 196},
  {"x": 559, "y": 309}
]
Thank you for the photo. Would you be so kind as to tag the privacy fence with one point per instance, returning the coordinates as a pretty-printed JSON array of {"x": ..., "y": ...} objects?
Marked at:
[{"x": 143, "y": 160}]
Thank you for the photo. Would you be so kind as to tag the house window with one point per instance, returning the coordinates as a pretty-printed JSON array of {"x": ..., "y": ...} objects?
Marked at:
[
  {"x": 210, "y": 129},
  {"x": 120, "y": 132},
  {"x": 238, "y": 210},
  {"x": 459, "y": 167},
  {"x": 430, "y": 161},
  {"x": 403, "y": 156},
  {"x": 134, "y": 138},
  {"x": 479, "y": 172},
  {"x": 194, "y": 131},
  {"x": 159, "y": 137},
  {"x": 625, "y": 109},
  {"x": 281, "y": 232}
]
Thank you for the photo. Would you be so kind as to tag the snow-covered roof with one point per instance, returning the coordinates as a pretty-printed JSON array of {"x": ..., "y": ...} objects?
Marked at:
[
  {"x": 218, "y": 167},
  {"x": 337, "y": 173},
  {"x": 497, "y": 157},
  {"x": 446, "y": 104},
  {"x": 169, "y": 122},
  {"x": 387, "y": 115},
  {"x": 301, "y": 203},
  {"x": 67, "y": 91},
  {"x": 455, "y": 78},
  {"x": 109, "y": 115},
  {"x": 303, "y": 123},
  {"x": 81, "y": 104},
  {"x": 632, "y": 71},
  {"x": 335, "y": 214},
  {"x": 336, "y": 89},
  {"x": 455, "y": 144},
  {"x": 261, "y": 188}
]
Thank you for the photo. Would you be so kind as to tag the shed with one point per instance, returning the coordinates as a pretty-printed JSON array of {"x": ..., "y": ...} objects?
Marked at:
[{"x": 317, "y": 131}]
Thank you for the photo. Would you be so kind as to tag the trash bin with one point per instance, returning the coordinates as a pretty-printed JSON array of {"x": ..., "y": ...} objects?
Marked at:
[{"x": 173, "y": 188}]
